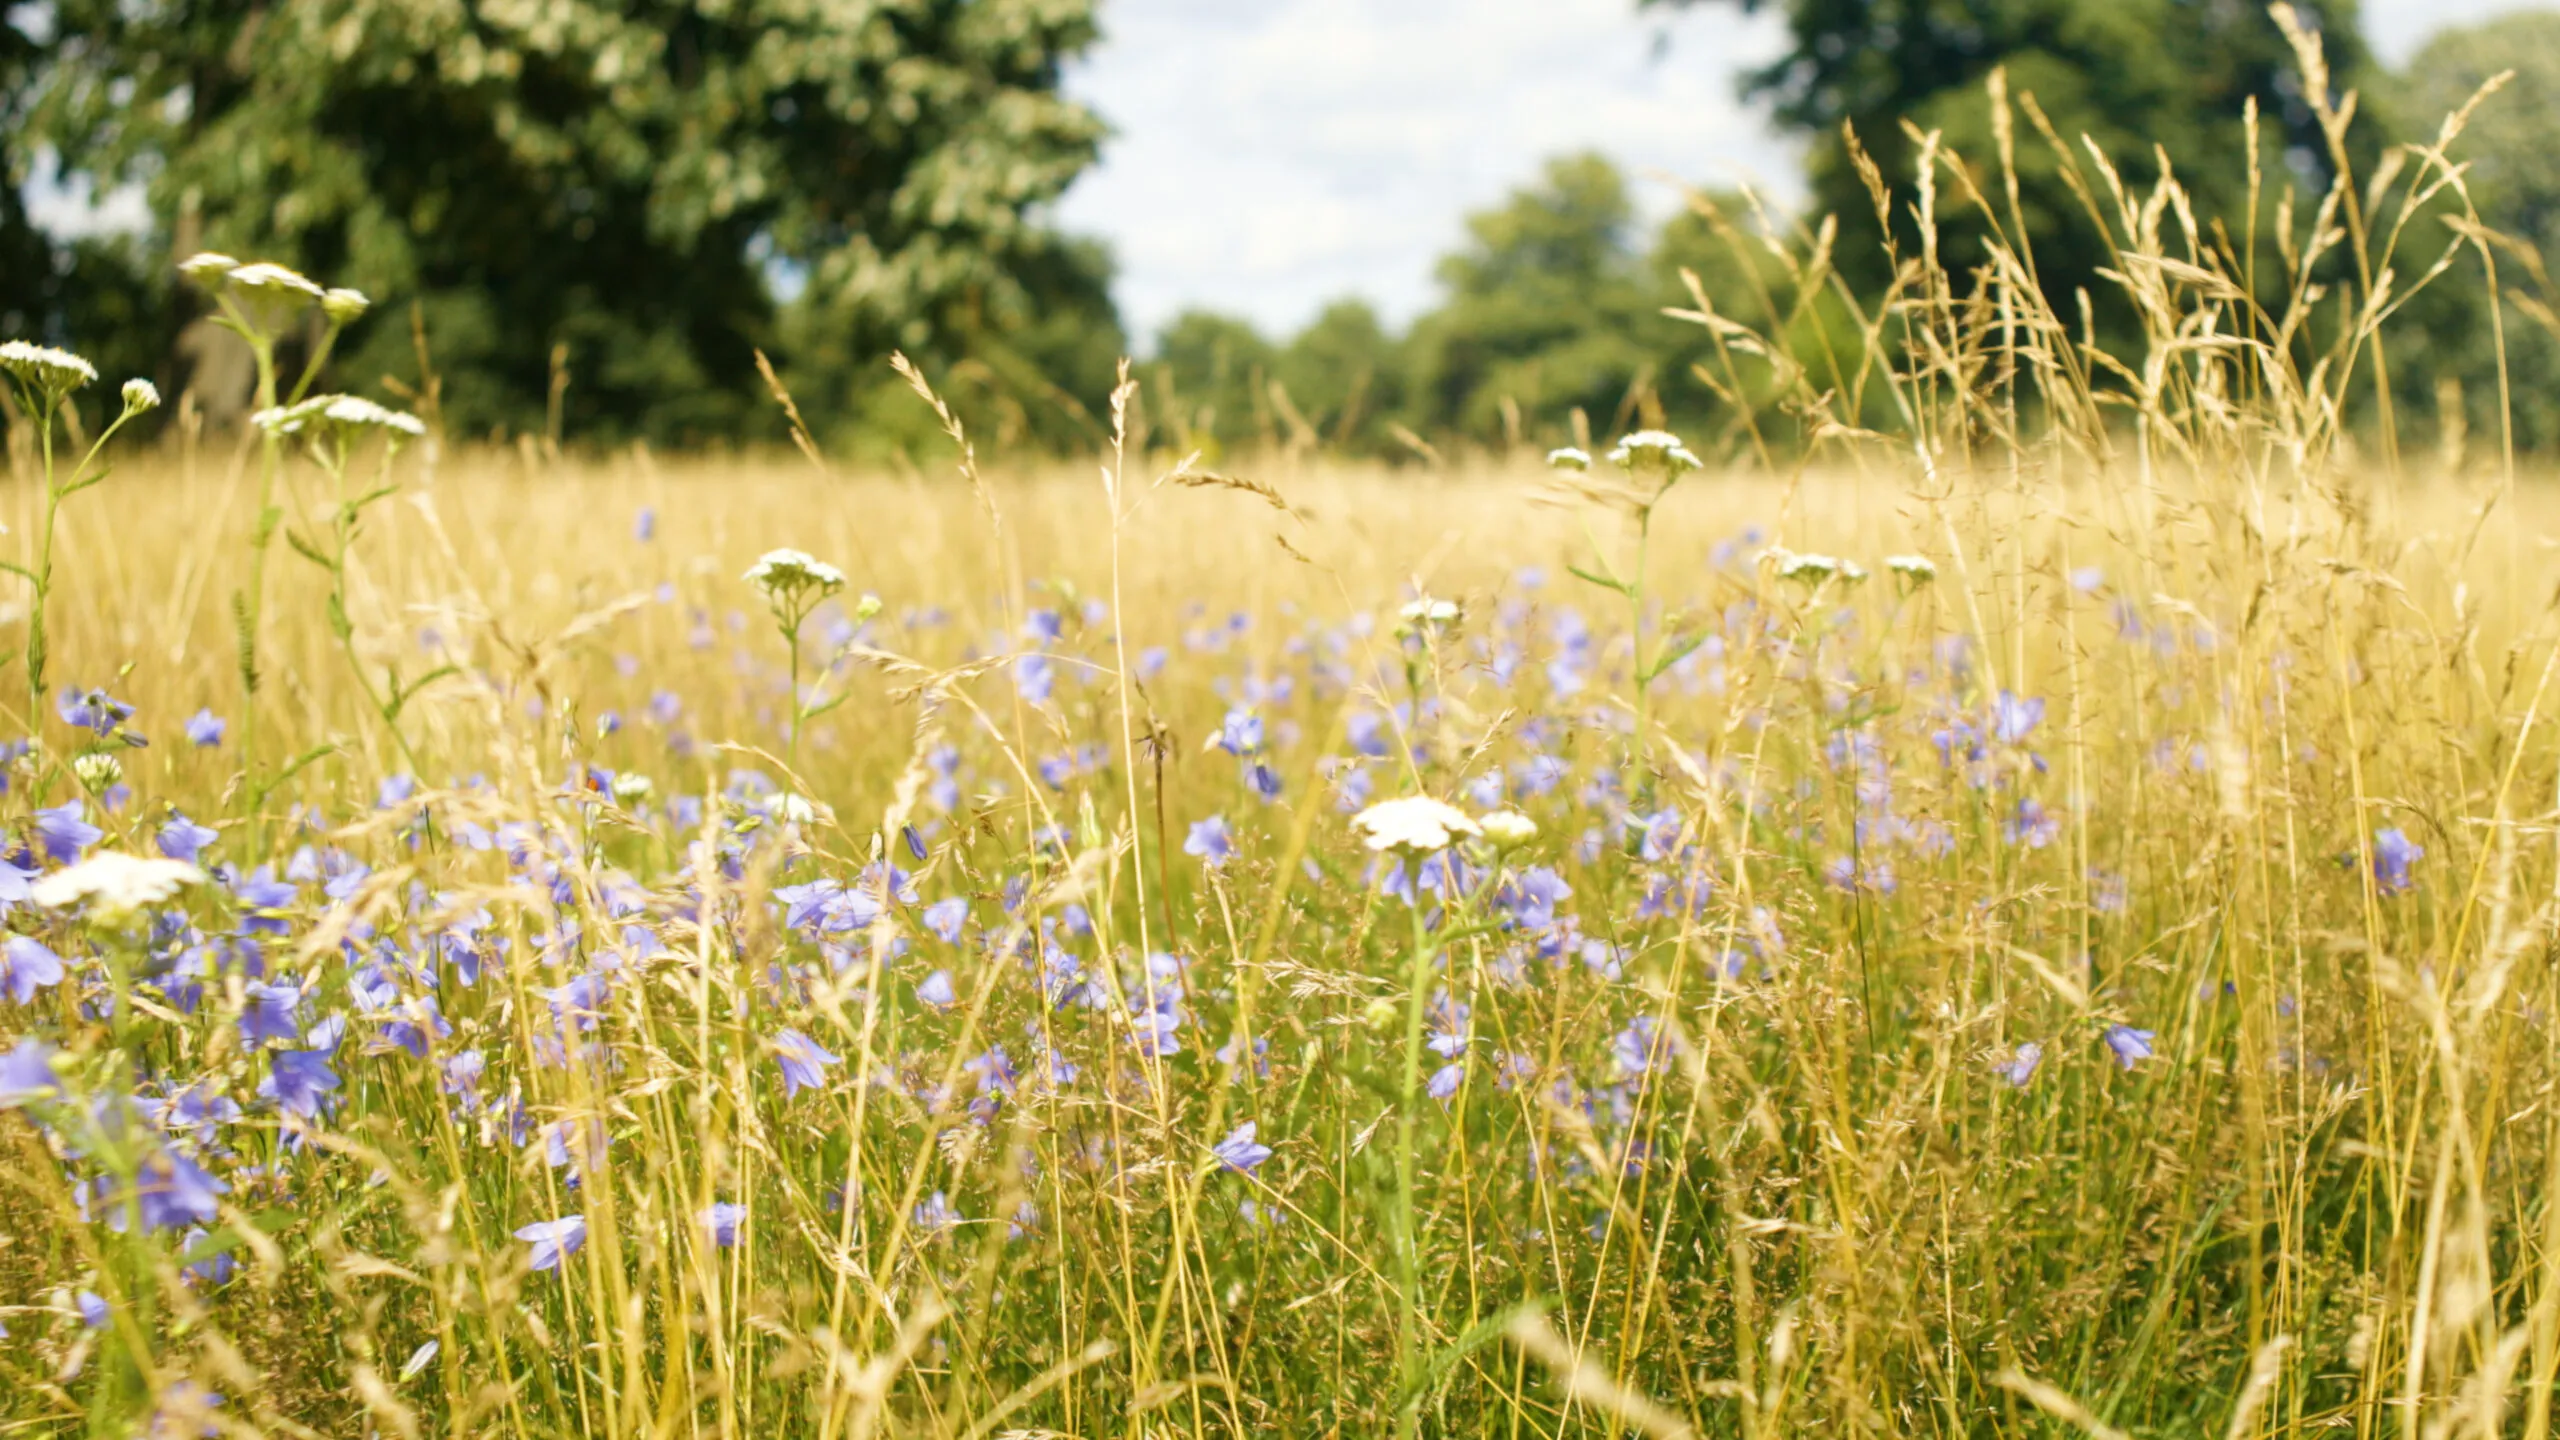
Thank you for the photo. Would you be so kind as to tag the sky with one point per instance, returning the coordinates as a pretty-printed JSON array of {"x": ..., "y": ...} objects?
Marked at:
[{"x": 1271, "y": 156}]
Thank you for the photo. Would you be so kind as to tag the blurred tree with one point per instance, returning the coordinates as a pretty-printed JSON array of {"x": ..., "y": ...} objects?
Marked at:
[
  {"x": 2140, "y": 77},
  {"x": 1546, "y": 312},
  {"x": 26, "y": 260},
  {"x": 630, "y": 179},
  {"x": 1344, "y": 375},
  {"x": 2514, "y": 179},
  {"x": 1211, "y": 382}
]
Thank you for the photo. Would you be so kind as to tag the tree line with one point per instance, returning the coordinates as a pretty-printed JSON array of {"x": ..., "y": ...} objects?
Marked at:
[{"x": 590, "y": 217}]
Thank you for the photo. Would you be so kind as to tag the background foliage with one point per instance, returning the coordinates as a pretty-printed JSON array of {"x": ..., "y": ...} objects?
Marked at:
[{"x": 636, "y": 197}]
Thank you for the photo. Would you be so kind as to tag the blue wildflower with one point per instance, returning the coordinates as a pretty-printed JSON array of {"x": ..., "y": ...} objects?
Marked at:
[
  {"x": 26, "y": 967},
  {"x": 63, "y": 834},
  {"x": 936, "y": 991},
  {"x": 2131, "y": 1046},
  {"x": 1211, "y": 841},
  {"x": 204, "y": 729},
  {"x": 722, "y": 1221},
  {"x": 2020, "y": 1070},
  {"x": 184, "y": 839},
  {"x": 1240, "y": 1151},
  {"x": 945, "y": 917},
  {"x": 297, "y": 1081},
  {"x": 804, "y": 1062},
  {"x": 555, "y": 1240},
  {"x": 2393, "y": 854},
  {"x": 26, "y": 1074}
]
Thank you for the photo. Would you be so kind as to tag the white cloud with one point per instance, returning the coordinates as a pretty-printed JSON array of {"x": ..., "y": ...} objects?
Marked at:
[
  {"x": 1273, "y": 156},
  {"x": 2397, "y": 28}
]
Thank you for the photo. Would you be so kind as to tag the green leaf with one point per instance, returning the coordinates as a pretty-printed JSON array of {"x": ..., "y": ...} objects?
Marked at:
[
  {"x": 308, "y": 551},
  {"x": 1603, "y": 581}
]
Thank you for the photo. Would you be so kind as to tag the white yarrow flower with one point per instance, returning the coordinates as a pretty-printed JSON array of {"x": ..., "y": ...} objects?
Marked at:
[
  {"x": 787, "y": 572},
  {"x": 1430, "y": 612},
  {"x": 1654, "y": 450},
  {"x": 631, "y": 787},
  {"x": 115, "y": 881},
  {"x": 1507, "y": 829},
  {"x": 141, "y": 395},
  {"x": 354, "y": 412},
  {"x": 1804, "y": 569},
  {"x": 275, "y": 281},
  {"x": 1416, "y": 824},
  {"x": 97, "y": 770},
  {"x": 343, "y": 306},
  {"x": 207, "y": 267},
  {"x": 1571, "y": 457},
  {"x": 1916, "y": 569},
  {"x": 41, "y": 367}
]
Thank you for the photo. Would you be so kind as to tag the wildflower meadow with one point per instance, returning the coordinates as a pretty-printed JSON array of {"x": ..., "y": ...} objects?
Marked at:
[{"x": 2030, "y": 912}]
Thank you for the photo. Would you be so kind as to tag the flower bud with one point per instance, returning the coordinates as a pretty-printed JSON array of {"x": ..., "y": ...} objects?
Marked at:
[
  {"x": 344, "y": 307},
  {"x": 140, "y": 395}
]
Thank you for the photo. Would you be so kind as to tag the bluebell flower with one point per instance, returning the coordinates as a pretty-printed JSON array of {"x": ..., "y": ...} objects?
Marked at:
[
  {"x": 1637, "y": 1048},
  {"x": 27, "y": 967},
  {"x": 945, "y": 918},
  {"x": 172, "y": 1191},
  {"x": 210, "y": 1266},
  {"x": 2131, "y": 1046},
  {"x": 63, "y": 834},
  {"x": 26, "y": 1074},
  {"x": 994, "y": 1069},
  {"x": 298, "y": 1080},
  {"x": 2013, "y": 718},
  {"x": 1210, "y": 841},
  {"x": 184, "y": 839},
  {"x": 2031, "y": 825},
  {"x": 936, "y": 991},
  {"x": 1240, "y": 1151},
  {"x": 270, "y": 1012},
  {"x": 555, "y": 1240},
  {"x": 1240, "y": 734},
  {"x": 1262, "y": 779},
  {"x": 935, "y": 1215},
  {"x": 722, "y": 1221},
  {"x": 644, "y": 526},
  {"x": 1445, "y": 1080},
  {"x": 804, "y": 1062},
  {"x": 1035, "y": 678},
  {"x": 93, "y": 1309},
  {"x": 1661, "y": 835},
  {"x": 204, "y": 729},
  {"x": 2393, "y": 854},
  {"x": 2020, "y": 1070},
  {"x": 95, "y": 711}
]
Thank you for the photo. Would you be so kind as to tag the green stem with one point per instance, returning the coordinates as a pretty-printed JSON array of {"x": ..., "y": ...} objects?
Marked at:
[
  {"x": 1642, "y": 781},
  {"x": 36, "y": 639},
  {"x": 1407, "y": 1238}
]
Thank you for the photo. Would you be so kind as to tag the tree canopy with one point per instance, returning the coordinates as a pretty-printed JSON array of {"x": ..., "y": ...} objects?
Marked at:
[{"x": 643, "y": 182}]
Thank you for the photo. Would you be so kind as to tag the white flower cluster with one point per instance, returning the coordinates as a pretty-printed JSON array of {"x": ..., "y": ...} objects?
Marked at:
[
  {"x": 267, "y": 281},
  {"x": 1420, "y": 825},
  {"x": 115, "y": 881},
  {"x": 42, "y": 368},
  {"x": 1657, "y": 451},
  {"x": 783, "y": 574},
  {"x": 344, "y": 416}
]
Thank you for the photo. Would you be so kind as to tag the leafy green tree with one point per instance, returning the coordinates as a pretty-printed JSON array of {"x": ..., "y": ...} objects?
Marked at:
[
  {"x": 1212, "y": 382},
  {"x": 26, "y": 260},
  {"x": 623, "y": 178},
  {"x": 1345, "y": 376},
  {"x": 1546, "y": 311},
  {"x": 2140, "y": 77},
  {"x": 2514, "y": 180}
]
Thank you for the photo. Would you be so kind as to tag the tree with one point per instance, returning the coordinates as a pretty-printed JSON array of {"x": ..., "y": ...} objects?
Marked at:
[
  {"x": 2514, "y": 179},
  {"x": 26, "y": 260},
  {"x": 2141, "y": 77},
  {"x": 1546, "y": 311},
  {"x": 1212, "y": 378},
  {"x": 627, "y": 179}
]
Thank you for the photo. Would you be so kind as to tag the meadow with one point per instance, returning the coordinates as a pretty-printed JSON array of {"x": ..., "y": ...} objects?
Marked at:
[{"x": 2037, "y": 923}]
